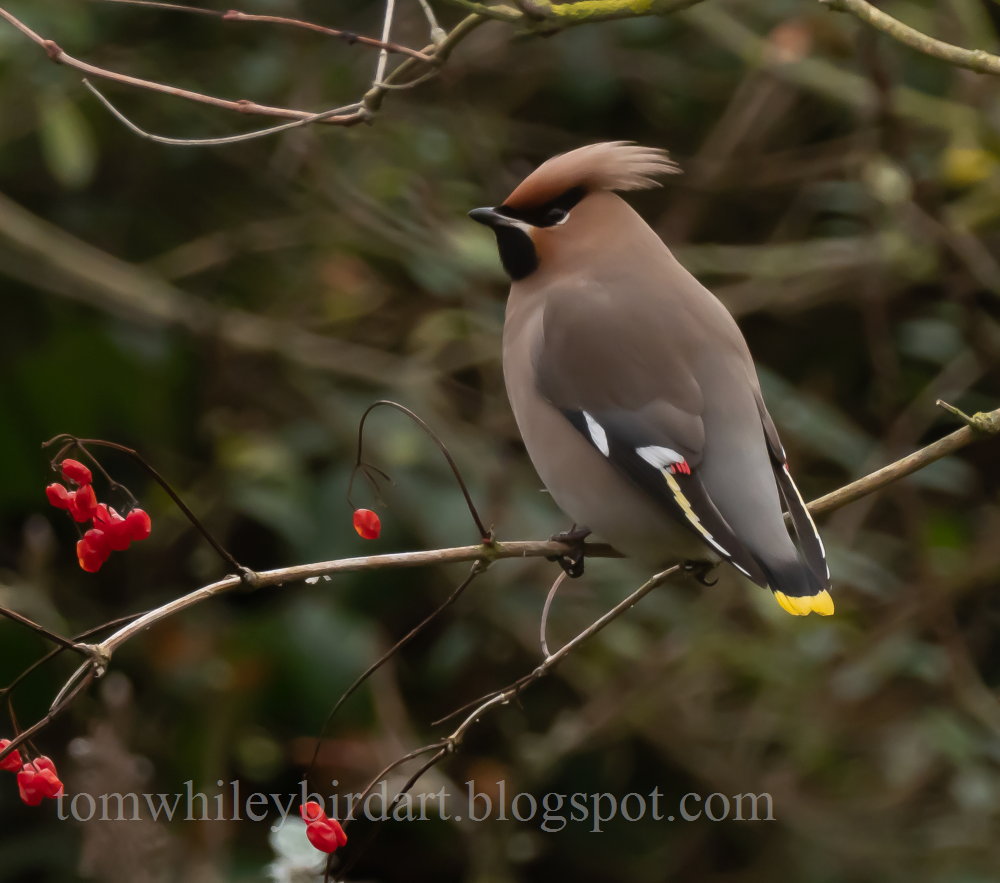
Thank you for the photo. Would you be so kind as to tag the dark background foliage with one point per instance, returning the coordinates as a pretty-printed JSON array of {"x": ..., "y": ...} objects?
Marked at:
[{"x": 840, "y": 195}]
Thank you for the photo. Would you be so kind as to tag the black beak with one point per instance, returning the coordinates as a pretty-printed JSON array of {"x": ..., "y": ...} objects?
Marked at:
[{"x": 488, "y": 216}]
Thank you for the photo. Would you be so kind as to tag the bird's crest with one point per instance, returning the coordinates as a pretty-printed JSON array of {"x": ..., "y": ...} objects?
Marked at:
[{"x": 610, "y": 165}]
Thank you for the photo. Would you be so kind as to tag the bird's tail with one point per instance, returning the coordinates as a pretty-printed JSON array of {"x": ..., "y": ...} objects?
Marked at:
[{"x": 797, "y": 588}]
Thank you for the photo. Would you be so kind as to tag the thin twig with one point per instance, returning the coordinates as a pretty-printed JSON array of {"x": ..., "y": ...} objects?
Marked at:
[
  {"x": 41, "y": 723},
  {"x": 343, "y": 112},
  {"x": 244, "y": 106},
  {"x": 359, "y": 853},
  {"x": 49, "y": 635},
  {"x": 348, "y": 37},
  {"x": 977, "y": 60},
  {"x": 989, "y": 424},
  {"x": 478, "y": 567},
  {"x": 436, "y": 31},
  {"x": 545, "y": 611},
  {"x": 484, "y": 534},
  {"x": 385, "y": 44},
  {"x": 175, "y": 7},
  {"x": 383, "y": 56}
]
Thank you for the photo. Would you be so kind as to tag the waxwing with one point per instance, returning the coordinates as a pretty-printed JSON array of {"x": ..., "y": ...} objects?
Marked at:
[{"x": 633, "y": 388}]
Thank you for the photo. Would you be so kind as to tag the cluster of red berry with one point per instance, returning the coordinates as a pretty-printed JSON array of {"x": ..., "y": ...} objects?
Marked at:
[
  {"x": 110, "y": 532},
  {"x": 324, "y": 833},
  {"x": 36, "y": 779}
]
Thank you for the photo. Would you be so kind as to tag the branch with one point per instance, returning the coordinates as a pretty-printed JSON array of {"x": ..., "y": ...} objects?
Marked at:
[
  {"x": 347, "y": 36},
  {"x": 484, "y": 552},
  {"x": 977, "y": 60},
  {"x": 532, "y": 13},
  {"x": 981, "y": 425},
  {"x": 56, "y": 54}
]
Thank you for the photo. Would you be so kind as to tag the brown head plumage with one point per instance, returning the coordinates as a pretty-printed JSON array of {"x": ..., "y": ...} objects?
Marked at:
[
  {"x": 610, "y": 165},
  {"x": 558, "y": 209}
]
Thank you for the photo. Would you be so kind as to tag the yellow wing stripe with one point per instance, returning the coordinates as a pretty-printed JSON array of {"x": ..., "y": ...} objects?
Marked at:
[
  {"x": 803, "y": 605},
  {"x": 685, "y": 505}
]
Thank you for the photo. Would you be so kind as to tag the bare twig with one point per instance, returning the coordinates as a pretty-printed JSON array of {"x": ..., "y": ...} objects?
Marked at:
[
  {"x": 485, "y": 534},
  {"x": 478, "y": 567},
  {"x": 49, "y": 635},
  {"x": 82, "y": 677},
  {"x": 348, "y": 37},
  {"x": 546, "y": 14},
  {"x": 244, "y": 106},
  {"x": 977, "y": 60},
  {"x": 549, "y": 598},
  {"x": 383, "y": 56},
  {"x": 213, "y": 142},
  {"x": 385, "y": 44},
  {"x": 298, "y": 573},
  {"x": 436, "y": 31},
  {"x": 985, "y": 424}
]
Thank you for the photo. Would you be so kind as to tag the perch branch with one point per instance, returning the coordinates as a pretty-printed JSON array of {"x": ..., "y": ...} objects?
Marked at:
[{"x": 986, "y": 424}]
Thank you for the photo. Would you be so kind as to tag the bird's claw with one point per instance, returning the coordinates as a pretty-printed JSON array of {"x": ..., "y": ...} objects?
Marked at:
[
  {"x": 700, "y": 571},
  {"x": 572, "y": 561}
]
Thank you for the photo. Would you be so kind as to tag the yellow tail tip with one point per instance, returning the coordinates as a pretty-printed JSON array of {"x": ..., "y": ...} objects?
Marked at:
[{"x": 803, "y": 605}]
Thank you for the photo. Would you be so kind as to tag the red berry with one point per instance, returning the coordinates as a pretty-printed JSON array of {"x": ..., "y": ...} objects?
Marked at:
[
  {"x": 12, "y": 762},
  {"x": 139, "y": 524},
  {"x": 367, "y": 524},
  {"x": 312, "y": 811},
  {"x": 58, "y": 495},
  {"x": 26, "y": 787},
  {"x": 44, "y": 762},
  {"x": 92, "y": 550},
  {"x": 82, "y": 503},
  {"x": 37, "y": 780},
  {"x": 118, "y": 533},
  {"x": 74, "y": 470},
  {"x": 98, "y": 541},
  {"x": 326, "y": 835}
]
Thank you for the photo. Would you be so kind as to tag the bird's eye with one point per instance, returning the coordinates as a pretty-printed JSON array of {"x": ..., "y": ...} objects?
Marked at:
[{"x": 555, "y": 216}]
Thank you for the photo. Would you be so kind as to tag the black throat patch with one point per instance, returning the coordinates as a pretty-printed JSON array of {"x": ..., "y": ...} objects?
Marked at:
[{"x": 517, "y": 252}]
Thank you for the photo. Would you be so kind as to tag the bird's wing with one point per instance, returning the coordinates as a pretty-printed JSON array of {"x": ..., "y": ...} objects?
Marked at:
[
  {"x": 810, "y": 545},
  {"x": 638, "y": 405}
]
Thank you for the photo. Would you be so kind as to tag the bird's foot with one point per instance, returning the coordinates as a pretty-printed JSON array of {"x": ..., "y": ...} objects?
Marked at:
[
  {"x": 700, "y": 571},
  {"x": 571, "y": 561}
]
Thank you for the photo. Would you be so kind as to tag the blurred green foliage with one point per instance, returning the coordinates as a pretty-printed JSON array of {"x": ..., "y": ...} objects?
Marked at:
[{"x": 842, "y": 197}]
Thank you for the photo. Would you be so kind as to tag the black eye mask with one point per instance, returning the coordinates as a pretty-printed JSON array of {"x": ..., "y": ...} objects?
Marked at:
[{"x": 548, "y": 215}]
